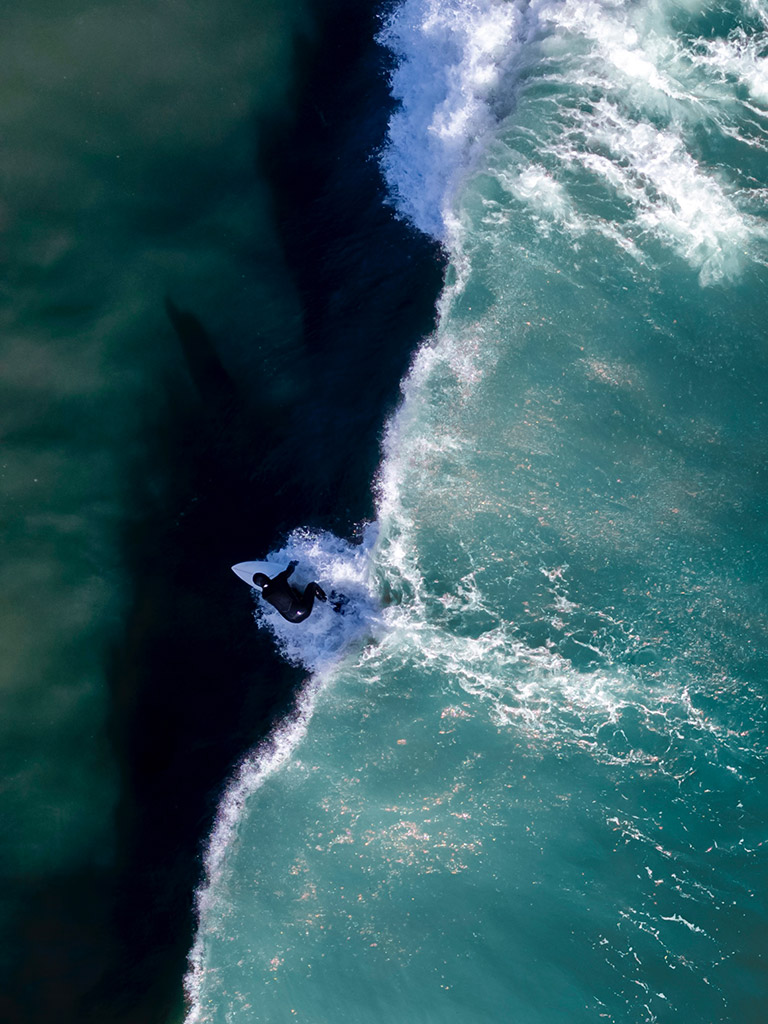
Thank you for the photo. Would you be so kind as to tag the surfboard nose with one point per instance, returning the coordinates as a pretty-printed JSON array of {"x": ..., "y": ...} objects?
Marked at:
[{"x": 245, "y": 570}]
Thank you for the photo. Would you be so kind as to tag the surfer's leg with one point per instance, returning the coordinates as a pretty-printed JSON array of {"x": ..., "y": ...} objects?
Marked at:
[{"x": 314, "y": 590}]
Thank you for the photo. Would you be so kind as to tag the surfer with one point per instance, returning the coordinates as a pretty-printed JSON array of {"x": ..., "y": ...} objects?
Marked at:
[{"x": 292, "y": 605}]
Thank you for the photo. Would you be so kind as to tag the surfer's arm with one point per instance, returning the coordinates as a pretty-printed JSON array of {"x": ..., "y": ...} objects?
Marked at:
[{"x": 286, "y": 573}]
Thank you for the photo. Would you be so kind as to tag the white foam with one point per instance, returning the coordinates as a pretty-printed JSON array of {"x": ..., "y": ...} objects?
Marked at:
[
  {"x": 534, "y": 185},
  {"x": 635, "y": 60},
  {"x": 252, "y": 772},
  {"x": 411, "y": 447},
  {"x": 551, "y": 206},
  {"x": 341, "y": 569},
  {"x": 741, "y": 58},
  {"x": 628, "y": 44},
  {"x": 456, "y": 77},
  {"x": 456, "y": 80},
  {"x": 759, "y": 10},
  {"x": 673, "y": 198},
  {"x": 456, "y": 64}
]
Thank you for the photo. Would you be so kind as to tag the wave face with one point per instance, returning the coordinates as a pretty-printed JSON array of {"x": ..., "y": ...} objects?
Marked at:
[{"x": 539, "y": 792}]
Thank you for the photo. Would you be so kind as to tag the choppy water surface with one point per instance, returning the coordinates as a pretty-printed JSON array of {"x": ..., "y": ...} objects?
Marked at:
[{"x": 533, "y": 784}]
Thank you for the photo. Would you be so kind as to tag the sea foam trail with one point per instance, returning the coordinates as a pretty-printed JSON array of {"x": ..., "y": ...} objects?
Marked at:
[
  {"x": 252, "y": 772},
  {"x": 318, "y": 645}
]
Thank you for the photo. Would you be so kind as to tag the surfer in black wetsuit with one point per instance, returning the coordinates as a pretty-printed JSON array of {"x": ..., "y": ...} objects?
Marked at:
[{"x": 292, "y": 605}]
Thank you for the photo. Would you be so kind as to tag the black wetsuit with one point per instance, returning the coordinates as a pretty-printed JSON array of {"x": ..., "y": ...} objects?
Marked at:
[{"x": 292, "y": 605}]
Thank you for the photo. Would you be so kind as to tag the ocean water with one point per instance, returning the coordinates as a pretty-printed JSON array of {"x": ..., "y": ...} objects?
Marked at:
[
  {"x": 527, "y": 778},
  {"x": 128, "y": 174},
  {"x": 193, "y": 244}
]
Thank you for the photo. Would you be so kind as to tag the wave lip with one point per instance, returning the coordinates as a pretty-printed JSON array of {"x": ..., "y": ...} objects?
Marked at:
[
  {"x": 453, "y": 84},
  {"x": 252, "y": 772}
]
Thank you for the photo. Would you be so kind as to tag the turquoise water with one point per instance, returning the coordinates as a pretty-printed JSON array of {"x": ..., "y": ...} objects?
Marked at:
[{"x": 527, "y": 781}]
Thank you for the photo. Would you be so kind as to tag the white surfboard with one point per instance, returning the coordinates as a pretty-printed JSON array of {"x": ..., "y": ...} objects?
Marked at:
[{"x": 245, "y": 571}]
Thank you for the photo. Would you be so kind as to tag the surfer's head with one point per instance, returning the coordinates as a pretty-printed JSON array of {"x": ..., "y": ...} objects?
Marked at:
[{"x": 260, "y": 580}]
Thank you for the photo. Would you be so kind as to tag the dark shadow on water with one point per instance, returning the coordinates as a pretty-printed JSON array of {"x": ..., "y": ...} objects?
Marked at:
[{"x": 193, "y": 682}]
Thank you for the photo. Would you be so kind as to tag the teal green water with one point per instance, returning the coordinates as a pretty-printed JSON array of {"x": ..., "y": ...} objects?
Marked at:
[
  {"x": 128, "y": 173},
  {"x": 537, "y": 791}
]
